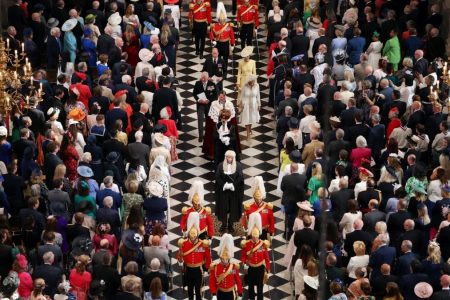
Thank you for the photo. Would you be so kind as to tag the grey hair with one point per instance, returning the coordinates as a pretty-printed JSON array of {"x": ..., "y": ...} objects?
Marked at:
[
  {"x": 361, "y": 142},
  {"x": 408, "y": 244},
  {"x": 376, "y": 117},
  {"x": 54, "y": 31},
  {"x": 145, "y": 72},
  {"x": 288, "y": 111},
  {"x": 82, "y": 65},
  {"x": 108, "y": 201},
  {"x": 340, "y": 134},
  {"x": 48, "y": 257}
]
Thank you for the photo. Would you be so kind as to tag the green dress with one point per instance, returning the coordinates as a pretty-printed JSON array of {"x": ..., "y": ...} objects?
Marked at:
[
  {"x": 392, "y": 51},
  {"x": 79, "y": 199},
  {"x": 313, "y": 185}
]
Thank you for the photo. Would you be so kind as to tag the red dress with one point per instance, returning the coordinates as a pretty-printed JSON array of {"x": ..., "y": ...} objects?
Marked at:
[
  {"x": 358, "y": 154},
  {"x": 270, "y": 63},
  {"x": 80, "y": 283},
  {"x": 172, "y": 134},
  {"x": 70, "y": 158},
  {"x": 131, "y": 47},
  {"x": 394, "y": 123}
]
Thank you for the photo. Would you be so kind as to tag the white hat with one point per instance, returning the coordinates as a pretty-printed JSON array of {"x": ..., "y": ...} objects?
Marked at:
[
  {"x": 155, "y": 189},
  {"x": 193, "y": 221},
  {"x": 312, "y": 282},
  {"x": 71, "y": 122},
  {"x": 155, "y": 31},
  {"x": 159, "y": 139},
  {"x": 114, "y": 19},
  {"x": 197, "y": 188},
  {"x": 254, "y": 220},
  {"x": 52, "y": 111},
  {"x": 3, "y": 131},
  {"x": 305, "y": 205},
  {"x": 247, "y": 51},
  {"x": 221, "y": 11},
  {"x": 258, "y": 182},
  {"x": 145, "y": 55},
  {"x": 226, "y": 242},
  {"x": 69, "y": 25}
]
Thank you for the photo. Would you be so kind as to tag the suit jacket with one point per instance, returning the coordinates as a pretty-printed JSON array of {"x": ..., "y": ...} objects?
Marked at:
[
  {"x": 59, "y": 196},
  {"x": 395, "y": 225},
  {"x": 50, "y": 162},
  {"x": 139, "y": 152},
  {"x": 356, "y": 130},
  {"x": 111, "y": 216},
  {"x": 379, "y": 285},
  {"x": 37, "y": 217},
  {"x": 293, "y": 187},
  {"x": 416, "y": 237},
  {"x": 145, "y": 121},
  {"x": 287, "y": 102},
  {"x": 443, "y": 238},
  {"x": 210, "y": 92},
  {"x": 441, "y": 295},
  {"x": 75, "y": 230},
  {"x": 319, "y": 41},
  {"x": 348, "y": 118},
  {"x": 306, "y": 236},
  {"x": 149, "y": 276},
  {"x": 308, "y": 151},
  {"x": 371, "y": 218},
  {"x": 105, "y": 44},
  {"x": 403, "y": 266},
  {"x": 126, "y": 296},
  {"x": 339, "y": 203},
  {"x": 408, "y": 282},
  {"x": 357, "y": 235},
  {"x": 117, "y": 198},
  {"x": 383, "y": 255},
  {"x": 113, "y": 115},
  {"x": 17, "y": 18},
  {"x": 163, "y": 97},
  {"x": 55, "y": 249},
  {"x": 421, "y": 66},
  {"x": 53, "y": 51},
  {"x": 325, "y": 94},
  {"x": 131, "y": 95},
  {"x": 37, "y": 120},
  {"x": 333, "y": 148},
  {"x": 52, "y": 276},
  {"x": 300, "y": 45},
  {"x": 301, "y": 79},
  {"x": 355, "y": 47},
  {"x": 214, "y": 69}
]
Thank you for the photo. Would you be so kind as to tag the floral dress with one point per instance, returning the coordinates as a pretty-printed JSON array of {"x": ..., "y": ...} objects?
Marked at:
[
  {"x": 70, "y": 158},
  {"x": 129, "y": 200}
]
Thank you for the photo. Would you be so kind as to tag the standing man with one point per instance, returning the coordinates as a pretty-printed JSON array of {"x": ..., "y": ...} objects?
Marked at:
[
  {"x": 224, "y": 279},
  {"x": 215, "y": 66},
  {"x": 222, "y": 35},
  {"x": 205, "y": 92},
  {"x": 247, "y": 17},
  {"x": 201, "y": 17},
  {"x": 255, "y": 258},
  {"x": 194, "y": 253}
]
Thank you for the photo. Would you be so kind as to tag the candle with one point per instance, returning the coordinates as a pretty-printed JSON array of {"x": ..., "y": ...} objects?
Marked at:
[
  {"x": 23, "y": 47},
  {"x": 7, "y": 101},
  {"x": 15, "y": 75},
  {"x": 15, "y": 53},
  {"x": 24, "y": 70},
  {"x": 26, "y": 60},
  {"x": 40, "y": 88},
  {"x": 31, "y": 80},
  {"x": 437, "y": 84},
  {"x": 28, "y": 100},
  {"x": 7, "y": 43}
]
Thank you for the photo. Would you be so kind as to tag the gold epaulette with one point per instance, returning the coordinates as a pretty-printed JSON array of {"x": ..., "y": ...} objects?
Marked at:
[
  {"x": 267, "y": 244},
  {"x": 205, "y": 243},
  {"x": 207, "y": 4},
  {"x": 247, "y": 205},
  {"x": 181, "y": 242},
  {"x": 191, "y": 6},
  {"x": 269, "y": 205},
  {"x": 208, "y": 210},
  {"x": 184, "y": 210},
  {"x": 243, "y": 243},
  {"x": 237, "y": 265}
]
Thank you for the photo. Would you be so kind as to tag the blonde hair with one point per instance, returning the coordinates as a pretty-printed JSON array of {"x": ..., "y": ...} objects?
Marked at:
[
  {"x": 381, "y": 227},
  {"x": 434, "y": 253},
  {"x": 317, "y": 170},
  {"x": 349, "y": 76},
  {"x": 60, "y": 172},
  {"x": 359, "y": 248},
  {"x": 165, "y": 34}
]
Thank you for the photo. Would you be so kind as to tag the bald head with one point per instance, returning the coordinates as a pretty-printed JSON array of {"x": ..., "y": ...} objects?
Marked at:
[
  {"x": 108, "y": 30},
  {"x": 358, "y": 224},
  {"x": 445, "y": 281},
  {"x": 385, "y": 269},
  {"x": 408, "y": 225}
]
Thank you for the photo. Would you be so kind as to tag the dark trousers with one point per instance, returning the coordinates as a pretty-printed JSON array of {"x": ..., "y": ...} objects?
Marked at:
[
  {"x": 200, "y": 36},
  {"x": 255, "y": 278},
  {"x": 234, "y": 6},
  {"x": 246, "y": 34},
  {"x": 225, "y": 295},
  {"x": 224, "y": 52},
  {"x": 194, "y": 278}
]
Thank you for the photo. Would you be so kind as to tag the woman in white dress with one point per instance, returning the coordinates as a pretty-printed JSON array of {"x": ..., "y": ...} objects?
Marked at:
[
  {"x": 346, "y": 223},
  {"x": 250, "y": 104},
  {"x": 374, "y": 50},
  {"x": 361, "y": 260}
]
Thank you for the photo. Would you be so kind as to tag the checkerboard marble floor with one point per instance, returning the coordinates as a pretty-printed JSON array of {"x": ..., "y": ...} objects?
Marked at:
[{"x": 259, "y": 157}]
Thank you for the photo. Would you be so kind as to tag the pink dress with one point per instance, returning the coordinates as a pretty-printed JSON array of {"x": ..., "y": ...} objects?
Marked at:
[{"x": 26, "y": 285}]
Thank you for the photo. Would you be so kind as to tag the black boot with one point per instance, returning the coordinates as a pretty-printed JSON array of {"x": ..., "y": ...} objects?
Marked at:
[
  {"x": 223, "y": 228},
  {"x": 230, "y": 228}
]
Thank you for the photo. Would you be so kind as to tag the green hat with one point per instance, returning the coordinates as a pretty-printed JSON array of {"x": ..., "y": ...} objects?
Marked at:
[
  {"x": 376, "y": 34},
  {"x": 418, "y": 188},
  {"x": 89, "y": 19}
]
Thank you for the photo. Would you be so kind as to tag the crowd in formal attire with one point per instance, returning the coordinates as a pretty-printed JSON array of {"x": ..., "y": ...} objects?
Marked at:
[{"x": 359, "y": 100}]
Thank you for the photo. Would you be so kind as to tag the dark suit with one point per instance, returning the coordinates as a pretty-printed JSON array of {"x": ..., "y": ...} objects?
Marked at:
[
  {"x": 371, "y": 218},
  {"x": 421, "y": 66},
  {"x": 417, "y": 117},
  {"x": 325, "y": 94},
  {"x": 149, "y": 277},
  {"x": 105, "y": 44},
  {"x": 50, "y": 162},
  {"x": 348, "y": 118},
  {"x": 37, "y": 120},
  {"x": 306, "y": 236},
  {"x": 76, "y": 230},
  {"x": 55, "y": 249},
  {"x": 293, "y": 187},
  {"x": 144, "y": 118},
  {"x": 357, "y": 235},
  {"x": 38, "y": 218},
  {"x": 416, "y": 237},
  {"x": 443, "y": 238},
  {"x": 107, "y": 192},
  {"x": 126, "y": 296},
  {"x": 383, "y": 255},
  {"x": 395, "y": 225},
  {"x": 301, "y": 79},
  {"x": 300, "y": 45},
  {"x": 100, "y": 19},
  {"x": 319, "y": 41},
  {"x": 333, "y": 149},
  {"x": 339, "y": 202},
  {"x": 52, "y": 276},
  {"x": 408, "y": 282},
  {"x": 163, "y": 97},
  {"x": 111, "y": 216},
  {"x": 287, "y": 102},
  {"x": 379, "y": 285},
  {"x": 17, "y": 18},
  {"x": 111, "y": 278},
  {"x": 53, "y": 52},
  {"x": 218, "y": 69},
  {"x": 354, "y": 131},
  {"x": 113, "y": 115},
  {"x": 210, "y": 91},
  {"x": 441, "y": 295},
  {"x": 403, "y": 266},
  {"x": 139, "y": 152},
  {"x": 376, "y": 135},
  {"x": 131, "y": 95}
]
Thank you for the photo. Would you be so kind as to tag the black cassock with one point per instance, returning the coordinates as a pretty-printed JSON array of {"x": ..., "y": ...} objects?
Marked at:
[
  {"x": 219, "y": 147},
  {"x": 229, "y": 202}
]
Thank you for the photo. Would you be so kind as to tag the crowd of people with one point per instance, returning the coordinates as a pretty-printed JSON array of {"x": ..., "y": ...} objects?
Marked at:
[{"x": 358, "y": 90}]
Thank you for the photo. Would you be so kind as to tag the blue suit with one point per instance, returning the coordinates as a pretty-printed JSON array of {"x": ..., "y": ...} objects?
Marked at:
[
  {"x": 412, "y": 44},
  {"x": 383, "y": 255},
  {"x": 355, "y": 47},
  {"x": 404, "y": 264},
  {"x": 117, "y": 198},
  {"x": 114, "y": 114}
]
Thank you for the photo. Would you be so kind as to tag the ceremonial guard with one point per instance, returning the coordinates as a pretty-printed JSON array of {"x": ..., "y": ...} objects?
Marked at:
[
  {"x": 259, "y": 206},
  {"x": 255, "y": 257},
  {"x": 247, "y": 17},
  {"x": 222, "y": 35},
  {"x": 196, "y": 196},
  {"x": 195, "y": 256},
  {"x": 224, "y": 280},
  {"x": 200, "y": 17}
]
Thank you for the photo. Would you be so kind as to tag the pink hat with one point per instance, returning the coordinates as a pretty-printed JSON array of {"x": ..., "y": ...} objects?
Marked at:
[{"x": 22, "y": 261}]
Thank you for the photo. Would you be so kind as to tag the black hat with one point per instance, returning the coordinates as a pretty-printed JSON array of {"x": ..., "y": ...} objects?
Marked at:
[
  {"x": 112, "y": 157},
  {"x": 81, "y": 245},
  {"x": 295, "y": 156},
  {"x": 132, "y": 239},
  {"x": 160, "y": 128}
]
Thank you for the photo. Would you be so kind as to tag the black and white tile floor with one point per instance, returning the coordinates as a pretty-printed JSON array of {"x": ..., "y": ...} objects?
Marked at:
[{"x": 259, "y": 157}]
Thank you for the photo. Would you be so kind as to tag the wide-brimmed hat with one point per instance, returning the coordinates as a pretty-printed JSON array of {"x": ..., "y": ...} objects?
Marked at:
[
  {"x": 69, "y": 25},
  {"x": 112, "y": 157},
  {"x": 76, "y": 114},
  {"x": 312, "y": 282},
  {"x": 85, "y": 171},
  {"x": 247, "y": 51},
  {"x": 145, "y": 55},
  {"x": 363, "y": 171},
  {"x": 132, "y": 239},
  {"x": 114, "y": 19},
  {"x": 305, "y": 205},
  {"x": 335, "y": 120},
  {"x": 90, "y": 19},
  {"x": 423, "y": 290},
  {"x": 314, "y": 22},
  {"x": 159, "y": 139},
  {"x": 52, "y": 22},
  {"x": 295, "y": 156},
  {"x": 81, "y": 245},
  {"x": 155, "y": 189}
]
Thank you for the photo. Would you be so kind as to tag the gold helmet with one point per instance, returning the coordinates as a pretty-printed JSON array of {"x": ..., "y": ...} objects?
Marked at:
[
  {"x": 197, "y": 193},
  {"x": 254, "y": 227},
  {"x": 226, "y": 247},
  {"x": 258, "y": 189},
  {"x": 193, "y": 225}
]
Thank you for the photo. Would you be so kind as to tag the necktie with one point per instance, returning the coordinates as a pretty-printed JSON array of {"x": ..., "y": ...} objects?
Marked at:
[{"x": 215, "y": 61}]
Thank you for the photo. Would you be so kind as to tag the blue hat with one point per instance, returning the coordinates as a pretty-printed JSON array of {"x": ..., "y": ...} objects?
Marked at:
[
  {"x": 112, "y": 156},
  {"x": 87, "y": 32},
  {"x": 297, "y": 57},
  {"x": 85, "y": 171},
  {"x": 149, "y": 25},
  {"x": 27, "y": 32}
]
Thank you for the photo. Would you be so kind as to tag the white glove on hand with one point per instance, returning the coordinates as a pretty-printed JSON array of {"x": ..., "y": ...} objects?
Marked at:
[
  {"x": 382, "y": 96},
  {"x": 239, "y": 298},
  {"x": 214, "y": 297},
  {"x": 180, "y": 263},
  {"x": 256, "y": 30},
  {"x": 226, "y": 141},
  {"x": 225, "y": 186},
  {"x": 214, "y": 43},
  {"x": 231, "y": 187},
  {"x": 232, "y": 48}
]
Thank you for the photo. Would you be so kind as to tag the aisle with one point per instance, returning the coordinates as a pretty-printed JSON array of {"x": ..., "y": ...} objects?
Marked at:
[{"x": 259, "y": 157}]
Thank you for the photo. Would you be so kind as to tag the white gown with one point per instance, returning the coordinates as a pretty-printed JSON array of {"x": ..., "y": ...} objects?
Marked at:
[
  {"x": 374, "y": 52},
  {"x": 250, "y": 100}
]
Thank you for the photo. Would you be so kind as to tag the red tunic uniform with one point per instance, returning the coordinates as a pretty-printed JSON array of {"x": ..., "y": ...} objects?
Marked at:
[
  {"x": 222, "y": 33},
  {"x": 266, "y": 212},
  {"x": 206, "y": 222},
  {"x": 255, "y": 254},
  {"x": 194, "y": 254},
  {"x": 228, "y": 282},
  {"x": 248, "y": 14},
  {"x": 200, "y": 13}
]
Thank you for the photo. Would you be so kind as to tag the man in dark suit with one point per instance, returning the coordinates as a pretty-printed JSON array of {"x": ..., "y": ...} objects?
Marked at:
[
  {"x": 398, "y": 103},
  {"x": 337, "y": 106},
  {"x": 143, "y": 116},
  {"x": 415, "y": 236},
  {"x": 31, "y": 211},
  {"x": 371, "y": 218},
  {"x": 109, "y": 275},
  {"x": 303, "y": 78},
  {"x": 382, "y": 255},
  {"x": 52, "y": 274},
  {"x": 332, "y": 149},
  {"x": 376, "y": 134},
  {"x": 14, "y": 43},
  {"x": 166, "y": 96},
  {"x": 50, "y": 246},
  {"x": 138, "y": 152},
  {"x": 119, "y": 69},
  {"x": 348, "y": 116},
  {"x": 379, "y": 283},
  {"x": 107, "y": 214},
  {"x": 396, "y": 221},
  {"x": 154, "y": 272},
  {"x": 435, "y": 45},
  {"x": 403, "y": 266},
  {"x": 325, "y": 96},
  {"x": 115, "y": 54},
  {"x": 322, "y": 39},
  {"x": 117, "y": 113},
  {"x": 288, "y": 101},
  {"x": 293, "y": 187},
  {"x": 300, "y": 43},
  {"x": 205, "y": 87},
  {"x": 77, "y": 229},
  {"x": 357, "y": 235},
  {"x": 105, "y": 42},
  {"x": 306, "y": 236},
  {"x": 17, "y": 18},
  {"x": 412, "y": 43},
  {"x": 108, "y": 191},
  {"x": 51, "y": 160},
  {"x": 37, "y": 119},
  {"x": 409, "y": 281},
  {"x": 340, "y": 198},
  {"x": 443, "y": 294},
  {"x": 100, "y": 19},
  {"x": 126, "y": 85},
  {"x": 215, "y": 66},
  {"x": 359, "y": 129},
  {"x": 421, "y": 64},
  {"x": 59, "y": 12},
  {"x": 443, "y": 238}
]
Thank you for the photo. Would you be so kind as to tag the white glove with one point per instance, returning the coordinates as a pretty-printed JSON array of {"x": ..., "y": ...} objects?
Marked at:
[
  {"x": 239, "y": 298},
  {"x": 226, "y": 141},
  {"x": 215, "y": 297},
  {"x": 245, "y": 267},
  {"x": 232, "y": 48},
  {"x": 180, "y": 263},
  {"x": 225, "y": 187},
  {"x": 231, "y": 187},
  {"x": 214, "y": 43},
  {"x": 382, "y": 96}
]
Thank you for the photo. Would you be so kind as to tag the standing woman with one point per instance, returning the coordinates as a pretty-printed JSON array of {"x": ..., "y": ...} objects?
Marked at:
[
  {"x": 250, "y": 104},
  {"x": 168, "y": 43},
  {"x": 70, "y": 157},
  {"x": 38, "y": 290},
  {"x": 130, "y": 17},
  {"x": 70, "y": 41},
  {"x": 374, "y": 50},
  {"x": 229, "y": 191},
  {"x": 89, "y": 47},
  {"x": 131, "y": 45},
  {"x": 246, "y": 67},
  {"x": 80, "y": 279}
]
